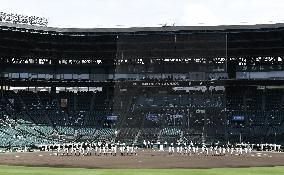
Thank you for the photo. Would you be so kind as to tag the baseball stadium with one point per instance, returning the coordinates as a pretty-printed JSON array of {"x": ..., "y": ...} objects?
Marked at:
[{"x": 142, "y": 100}]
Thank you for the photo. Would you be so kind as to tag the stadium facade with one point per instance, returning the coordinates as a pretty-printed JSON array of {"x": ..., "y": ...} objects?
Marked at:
[{"x": 201, "y": 84}]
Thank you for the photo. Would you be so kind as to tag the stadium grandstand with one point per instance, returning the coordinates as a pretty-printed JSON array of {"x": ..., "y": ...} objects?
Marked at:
[{"x": 209, "y": 84}]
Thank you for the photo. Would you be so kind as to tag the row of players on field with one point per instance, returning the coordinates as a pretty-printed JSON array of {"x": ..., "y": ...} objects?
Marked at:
[
  {"x": 182, "y": 148},
  {"x": 87, "y": 148},
  {"x": 257, "y": 147}
]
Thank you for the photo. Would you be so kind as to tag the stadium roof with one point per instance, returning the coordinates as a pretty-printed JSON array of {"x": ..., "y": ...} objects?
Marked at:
[{"x": 144, "y": 29}]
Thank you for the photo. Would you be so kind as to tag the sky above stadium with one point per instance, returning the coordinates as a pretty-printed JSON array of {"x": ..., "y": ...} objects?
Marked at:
[{"x": 138, "y": 13}]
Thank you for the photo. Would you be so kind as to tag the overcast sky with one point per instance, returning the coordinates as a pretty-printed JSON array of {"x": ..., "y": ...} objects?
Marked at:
[{"x": 128, "y": 13}]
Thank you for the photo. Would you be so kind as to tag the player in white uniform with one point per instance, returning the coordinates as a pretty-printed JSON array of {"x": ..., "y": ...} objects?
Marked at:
[
  {"x": 181, "y": 149},
  {"x": 207, "y": 151},
  {"x": 232, "y": 150},
  {"x": 228, "y": 149},
  {"x": 202, "y": 150},
  {"x": 185, "y": 148},
  {"x": 220, "y": 150},
  {"x": 194, "y": 150},
  {"x": 88, "y": 150},
  {"x": 104, "y": 149},
  {"x": 211, "y": 150},
  {"x": 241, "y": 150},
  {"x": 115, "y": 149},
  {"x": 250, "y": 150},
  {"x": 170, "y": 150},
  {"x": 224, "y": 150},
  {"x": 132, "y": 148},
  {"x": 144, "y": 144},
  {"x": 122, "y": 148},
  {"x": 197, "y": 150},
  {"x": 246, "y": 150},
  {"x": 127, "y": 149},
  {"x": 96, "y": 148},
  {"x": 178, "y": 147},
  {"x": 100, "y": 148},
  {"x": 189, "y": 150},
  {"x": 82, "y": 150}
]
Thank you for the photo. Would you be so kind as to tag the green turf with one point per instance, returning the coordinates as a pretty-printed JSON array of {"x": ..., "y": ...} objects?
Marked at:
[{"x": 17, "y": 170}]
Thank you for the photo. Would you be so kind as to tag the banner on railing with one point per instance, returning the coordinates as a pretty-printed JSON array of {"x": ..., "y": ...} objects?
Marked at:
[
  {"x": 152, "y": 117},
  {"x": 112, "y": 118},
  {"x": 238, "y": 118}
]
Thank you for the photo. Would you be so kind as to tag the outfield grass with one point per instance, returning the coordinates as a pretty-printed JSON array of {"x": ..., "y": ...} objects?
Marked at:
[{"x": 18, "y": 170}]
